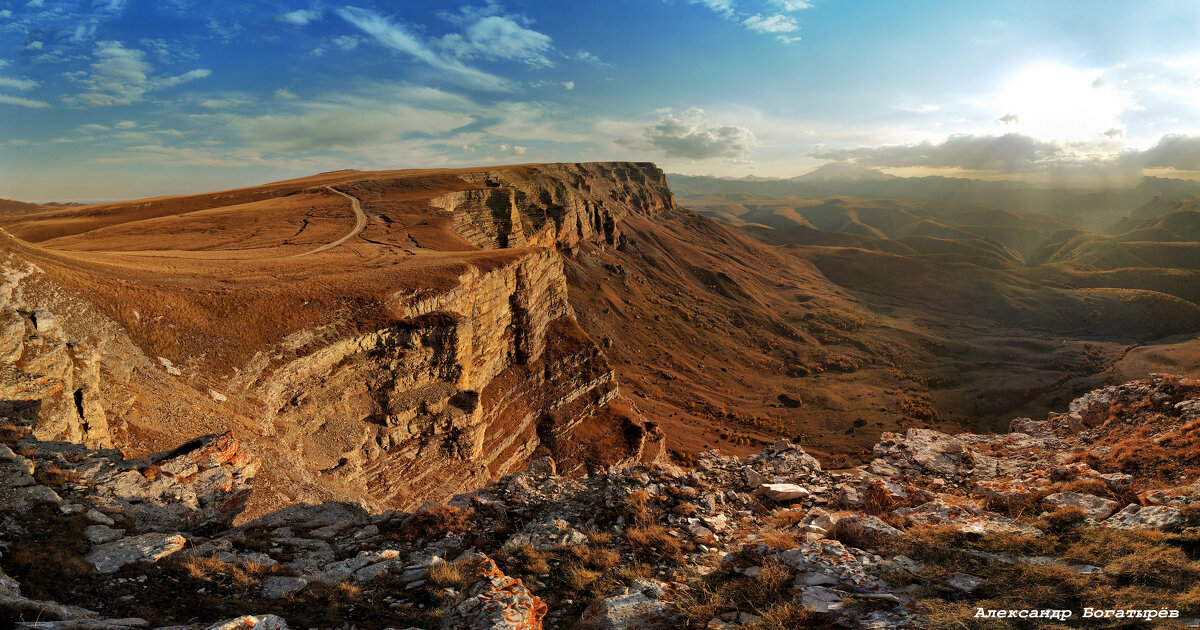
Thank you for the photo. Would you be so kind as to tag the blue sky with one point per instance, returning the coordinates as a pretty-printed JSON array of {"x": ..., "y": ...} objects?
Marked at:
[{"x": 107, "y": 99}]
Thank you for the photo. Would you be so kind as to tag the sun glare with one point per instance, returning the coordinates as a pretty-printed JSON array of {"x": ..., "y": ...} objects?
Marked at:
[{"x": 1053, "y": 102}]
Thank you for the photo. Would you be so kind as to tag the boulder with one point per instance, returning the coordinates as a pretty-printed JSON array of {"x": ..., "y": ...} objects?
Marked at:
[
  {"x": 251, "y": 622},
  {"x": 783, "y": 491},
  {"x": 496, "y": 602},
  {"x": 100, "y": 534},
  {"x": 110, "y": 557},
  {"x": 828, "y": 563},
  {"x": 279, "y": 586},
  {"x": 547, "y": 535},
  {"x": 821, "y": 599},
  {"x": 1161, "y": 517},
  {"x": 862, "y": 530},
  {"x": 203, "y": 484},
  {"x": 645, "y": 604}
]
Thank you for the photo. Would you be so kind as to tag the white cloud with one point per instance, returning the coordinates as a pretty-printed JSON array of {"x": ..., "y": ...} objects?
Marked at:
[
  {"x": 126, "y": 124},
  {"x": 22, "y": 85},
  {"x": 723, "y": 8},
  {"x": 500, "y": 37},
  {"x": 121, "y": 76},
  {"x": 92, "y": 128},
  {"x": 36, "y": 4},
  {"x": 530, "y": 121},
  {"x": 22, "y": 102},
  {"x": 299, "y": 17},
  {"x": 224, "y": 103},
  {"x": 285, "y": 94},
  {"x": 346, "y": 42},
  {"x": 918, "y": 109},
  {"x": 587, "y": 57},
  {"x": 1009, "y": 119},
  {"x": 512, "y": 150},
  {"x": 570, "y": 85},
  {"x": 774, "y": 24},
  {"x": 35, "y": 45},
  {"x": 1175, "y": 151},
  {"x": 1010, "y": 152},
  {"x": 397, "y": 37},
  {"x": 5, "y": 14},
  {"x": 691, "y": 135},
  {"x": 350, "y": 122}
]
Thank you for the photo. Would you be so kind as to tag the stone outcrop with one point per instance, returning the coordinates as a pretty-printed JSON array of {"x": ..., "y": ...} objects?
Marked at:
[
  {"x": 627, "y": 547},
  {"x": 463, "y": 388},
  {"x": 563, "y": 204},
  {"x": 47, "y": 379}
]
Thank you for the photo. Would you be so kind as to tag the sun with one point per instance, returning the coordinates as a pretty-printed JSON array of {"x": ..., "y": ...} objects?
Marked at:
[{"x": 1054, "y": 102}]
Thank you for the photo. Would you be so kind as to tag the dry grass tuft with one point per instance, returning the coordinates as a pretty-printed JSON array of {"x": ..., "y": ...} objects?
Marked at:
[
  {"x": 654, "y": 541},
  {"x": 434, "y": 522}
]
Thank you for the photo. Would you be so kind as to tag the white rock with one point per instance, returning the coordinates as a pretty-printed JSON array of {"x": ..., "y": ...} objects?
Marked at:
[
  {"x": 110, "y": 557},
  {"x": 278, "y": 586},
  {"x": 99, "y": 534},
  {"x": 821, "y": 599},
  {"x": 96, "y": 516},
  {"x": 257, "y": 622},
  {"x": 783, "y": 491},
  {"x": 1150, "y": 517}
]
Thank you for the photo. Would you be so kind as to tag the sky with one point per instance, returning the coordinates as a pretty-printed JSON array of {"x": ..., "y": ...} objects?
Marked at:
[{"x": 117, "y": 99}]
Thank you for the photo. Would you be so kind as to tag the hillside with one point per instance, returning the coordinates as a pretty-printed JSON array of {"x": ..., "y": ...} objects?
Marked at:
[
  {"x": 646, "y": 329},
  {"x": 1090, "y": 509}
]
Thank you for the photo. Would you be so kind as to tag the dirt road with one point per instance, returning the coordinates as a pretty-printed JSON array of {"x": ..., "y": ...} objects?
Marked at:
[{"x": 360, "y": 222}]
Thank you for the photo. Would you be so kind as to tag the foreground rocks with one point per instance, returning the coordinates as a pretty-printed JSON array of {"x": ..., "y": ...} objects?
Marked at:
[{"x": 149, "y": 542}]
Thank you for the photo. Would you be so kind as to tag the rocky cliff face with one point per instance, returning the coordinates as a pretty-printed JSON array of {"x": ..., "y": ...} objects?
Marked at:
[
  {"x": 47, "y": 379},
  {"x": 567, "y": 204},
  {"x": 936, "y": 528},
  {"x": 448, "y": 386},
  {"x": 450, "y": 396}
]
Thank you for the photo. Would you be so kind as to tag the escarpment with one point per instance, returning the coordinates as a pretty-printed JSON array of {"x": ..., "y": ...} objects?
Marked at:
[
  {"x": 564, "y": 204},
  {"x": 426, "y": 356},
  {"x": 445, "y": 398}
]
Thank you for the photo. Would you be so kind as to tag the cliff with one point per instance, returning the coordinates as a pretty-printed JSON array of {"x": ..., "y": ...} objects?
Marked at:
[{"x": 437, "y": 346}]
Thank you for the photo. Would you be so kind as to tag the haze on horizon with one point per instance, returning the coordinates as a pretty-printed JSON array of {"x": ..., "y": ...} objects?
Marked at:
[{"x": 110, "y": 99}]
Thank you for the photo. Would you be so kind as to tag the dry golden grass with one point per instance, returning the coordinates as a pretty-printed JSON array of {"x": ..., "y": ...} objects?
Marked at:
[
  {"x": 210, "y": 568},
  {"x": 780, "y": 538},
  {"x": 631, "y": 572},
  {"x": 524, "y": 559},
  {"x": 683, "y": 509},
  {"x": 55, "y": 476},
  {"x": 456, "y": 574},
  {"x": 434, "y": 522},
  {"x": 767, "y": 594},
  {"x": 785, "y": 518},
  {"x": 654, "y": 541}
]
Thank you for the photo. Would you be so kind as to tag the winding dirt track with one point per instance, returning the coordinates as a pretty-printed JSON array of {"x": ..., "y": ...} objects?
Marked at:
[{"x": 360, "y": 222}]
